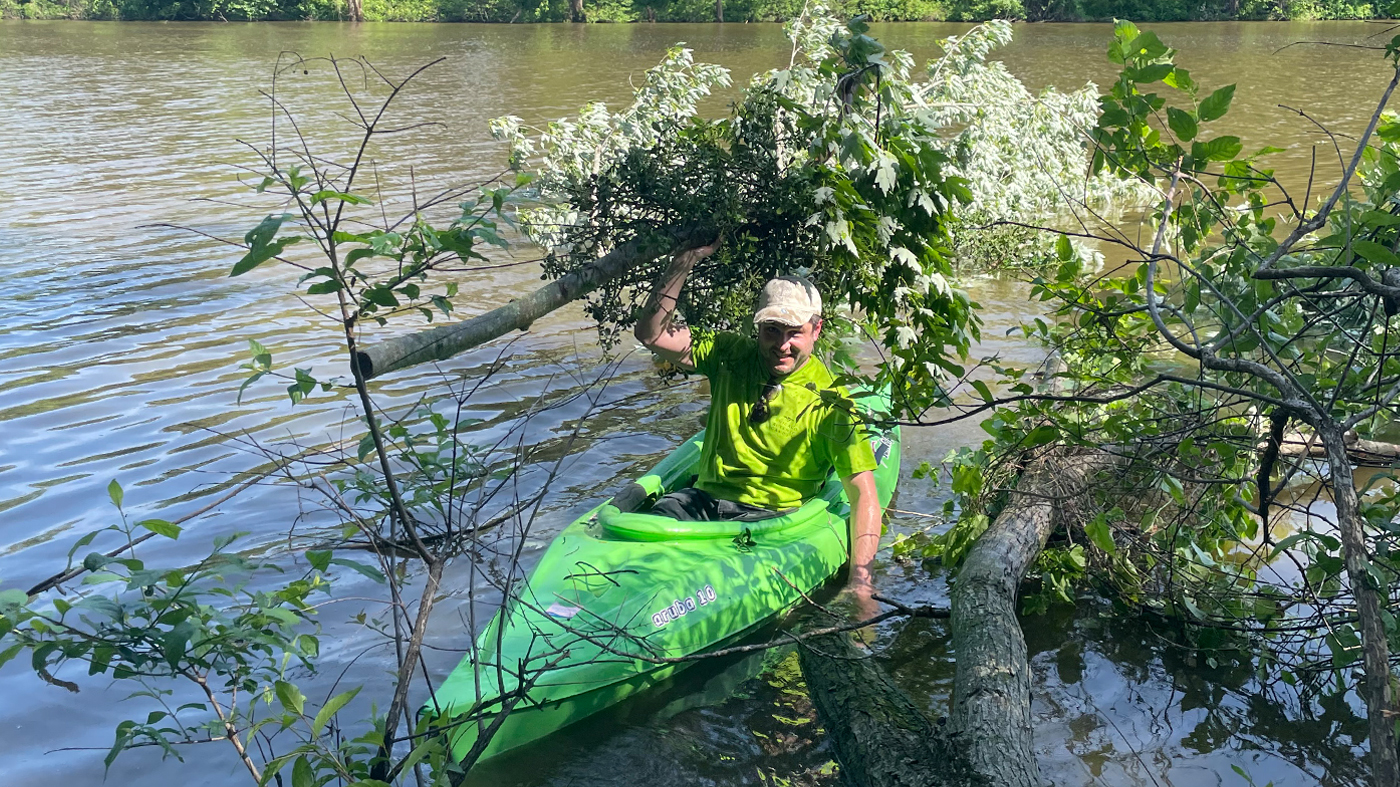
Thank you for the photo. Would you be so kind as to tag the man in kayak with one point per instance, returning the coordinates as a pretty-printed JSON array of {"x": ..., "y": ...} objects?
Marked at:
[{"x": 777, "y": 426}]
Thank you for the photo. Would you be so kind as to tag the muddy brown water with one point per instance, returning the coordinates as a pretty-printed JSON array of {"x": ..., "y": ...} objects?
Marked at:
[{"x": 120, "y": 344}]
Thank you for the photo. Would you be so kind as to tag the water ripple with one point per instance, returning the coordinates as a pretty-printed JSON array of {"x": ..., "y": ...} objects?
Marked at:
[{"x": 120, "y": 342}]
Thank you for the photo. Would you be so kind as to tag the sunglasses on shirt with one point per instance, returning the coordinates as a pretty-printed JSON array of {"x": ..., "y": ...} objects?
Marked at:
[{"x": 760, "y": 411}]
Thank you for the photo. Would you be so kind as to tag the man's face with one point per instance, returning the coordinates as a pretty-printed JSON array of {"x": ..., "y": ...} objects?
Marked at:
[{"x": 785, "y": 348}]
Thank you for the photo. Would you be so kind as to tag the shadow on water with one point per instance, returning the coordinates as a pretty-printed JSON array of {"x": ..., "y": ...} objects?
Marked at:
[
  {"x": 735, "y": 720},
  {"x": 1117, "y": 701},
  {"x": 1120, "y": 700}
]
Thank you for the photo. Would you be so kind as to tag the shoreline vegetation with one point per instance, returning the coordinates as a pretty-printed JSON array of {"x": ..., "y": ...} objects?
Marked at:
[{"x": 528, "y": 11}]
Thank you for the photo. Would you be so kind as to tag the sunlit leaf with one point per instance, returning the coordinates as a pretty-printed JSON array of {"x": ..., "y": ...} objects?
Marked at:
[
  {"x": 1215, "y": 105},
  {"x": 332, "y": 707},
  {"x": 1182, "y": 124}
]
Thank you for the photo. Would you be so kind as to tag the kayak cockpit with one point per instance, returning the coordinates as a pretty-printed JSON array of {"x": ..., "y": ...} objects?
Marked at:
[{"x": 649, "y": 527}]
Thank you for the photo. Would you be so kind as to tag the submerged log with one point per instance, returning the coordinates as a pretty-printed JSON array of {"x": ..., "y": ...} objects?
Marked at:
[
  {"x": 880, "y": 738},
  {"x": 992, "y": 686},
  {"x": 1360, "y": 452},
  {"x": 445, "y": 341}
]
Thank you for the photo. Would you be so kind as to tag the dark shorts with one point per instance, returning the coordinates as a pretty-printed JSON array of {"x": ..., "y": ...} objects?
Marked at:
[{"x": 692, "y": 505}]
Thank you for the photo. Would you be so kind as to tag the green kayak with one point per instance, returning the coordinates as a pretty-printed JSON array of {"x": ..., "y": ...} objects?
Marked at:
[{"x": 617, "y": 594}]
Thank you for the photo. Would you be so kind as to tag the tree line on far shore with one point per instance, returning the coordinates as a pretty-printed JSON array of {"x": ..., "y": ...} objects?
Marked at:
[{"x": 522, "y": 11}]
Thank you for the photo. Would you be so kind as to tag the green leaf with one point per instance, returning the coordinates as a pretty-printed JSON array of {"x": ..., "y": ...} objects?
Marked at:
[
  {"x": 262, "y": 358},
  {"x": 1153, "y": 73},
  {"x": 1124, "y": 33},
  {"x": 273, "y": 767},
  {"x": 14, "y": 597},
  {"x": 1215, "y": 105},
  {"x": 251, "y": 379},
  {"x": 414, "y": 757},
  {"x": 123, "y": 737},
  {"x": 1098, "y": 532},
  {"x": 1192, "y": 608},
  {"x": 304, "y": 385},
  {"x": 84, "y": 541},
  {"x": 290, "y": 696},
  {"x": 9, "y": 653},
  {"x": 1181, "y": 80},
  {"x": 366, "y": 447},
  {"x": 307, "y": 645},
  {"x": 369, "y": 571},
  {"x": 176, "y": 642},
  {"x": 1146, "y": 48},
  {"x": 302, "y": 775},
  {"x": 982, "y": 390},
  {"x": 356, "y": 255},
  {"x": 320, "y": 559},
  {"x": 1218, "y": 149},
  {"x": 1376, "y": 253},
  {"x": 381, "y": 296},
  {"x": 1172, "y": 487},
  {"x": 261, "y": 246},
  {"x": 161, "y": 527},
  {"x": 333, "y": 706},
  {"x": 1237, "y": 175},
  {"x": 1041, "y": 435},
  {"x": 383, "y": 243},
  {"x": 114, "y": 491},
  {"x": 1379, "y": 218},
  {"x": 324, "y": 287},
  {"x": 1064, "y": 249},
  {"x": 1182, "y": 124},
  {"x": 325, "y": 194}
]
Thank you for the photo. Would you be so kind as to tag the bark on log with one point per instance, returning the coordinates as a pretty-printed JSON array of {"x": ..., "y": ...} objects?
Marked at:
[
  {"x": 445, "y": 341},
  {"x": 879, "y": 736},
  {"x": 992, "y": 685},
  {"x": 1363, "y": 453},
  {"x": 1376, "y": 689}
]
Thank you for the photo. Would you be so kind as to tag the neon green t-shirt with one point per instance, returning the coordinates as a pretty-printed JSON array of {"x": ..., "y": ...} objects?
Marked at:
[{"x": 783, "y": 461}]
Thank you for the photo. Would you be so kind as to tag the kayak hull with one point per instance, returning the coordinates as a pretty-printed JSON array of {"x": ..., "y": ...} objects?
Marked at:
[{"x": 617, "y": 596}]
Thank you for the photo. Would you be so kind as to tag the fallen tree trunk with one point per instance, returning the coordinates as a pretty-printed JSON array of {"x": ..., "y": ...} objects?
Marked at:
[
  {"x": 988, "y": 739},
  {"x": 1371, "y": 597},
  {"x": 879, "y": 736},
  {"x": 445, "y": 341},
  {"x": 992, "y": 686},
  {"x": 1360, "y": 452}
]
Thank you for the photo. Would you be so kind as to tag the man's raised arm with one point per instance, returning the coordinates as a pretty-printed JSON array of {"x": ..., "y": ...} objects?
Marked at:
[{"x": 654, "y": 327}]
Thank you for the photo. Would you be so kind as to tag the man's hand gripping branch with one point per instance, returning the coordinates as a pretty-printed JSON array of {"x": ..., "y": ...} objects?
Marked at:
[{"x": 655, "y": 327}]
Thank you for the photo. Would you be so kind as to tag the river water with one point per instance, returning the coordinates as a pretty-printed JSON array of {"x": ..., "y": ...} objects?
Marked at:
[{"x": 120, "y": 346}]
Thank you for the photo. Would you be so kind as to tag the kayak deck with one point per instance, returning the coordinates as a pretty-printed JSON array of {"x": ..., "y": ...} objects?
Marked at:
[{"x": 617, "y": 596}]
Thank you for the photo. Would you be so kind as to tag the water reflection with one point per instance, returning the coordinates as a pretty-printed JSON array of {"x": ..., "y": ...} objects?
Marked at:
[
  {"x": 120, "y": 345},
  {"x": 1117, "y": 702}
]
